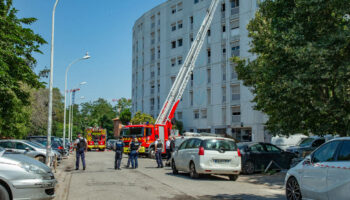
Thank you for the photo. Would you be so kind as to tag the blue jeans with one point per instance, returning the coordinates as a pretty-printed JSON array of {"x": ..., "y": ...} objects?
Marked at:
[
  {"x": 159, "y": 158},
  {"x": 118, "y": 159},
  {"x": 80, "y": 153},
  {"x": 129, "y": 160},
  {"x": 133, "y": 158}
]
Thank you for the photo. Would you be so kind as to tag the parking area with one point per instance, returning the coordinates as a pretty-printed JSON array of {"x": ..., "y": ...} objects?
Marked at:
[{"x": 101, "y": 181}]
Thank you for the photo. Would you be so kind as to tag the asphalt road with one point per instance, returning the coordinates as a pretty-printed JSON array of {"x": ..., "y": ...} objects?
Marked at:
[{"x": 101, "y": 181}]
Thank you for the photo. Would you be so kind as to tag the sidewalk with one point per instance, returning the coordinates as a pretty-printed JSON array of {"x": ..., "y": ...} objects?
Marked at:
[{"x": 63, "y": 176}]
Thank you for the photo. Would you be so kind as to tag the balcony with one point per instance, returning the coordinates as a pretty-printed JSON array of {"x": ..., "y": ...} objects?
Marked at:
[
  {"x": 236, "y": 118},
  {"x": 235, "y": 97},
  {"x": 234, "y": 12}
]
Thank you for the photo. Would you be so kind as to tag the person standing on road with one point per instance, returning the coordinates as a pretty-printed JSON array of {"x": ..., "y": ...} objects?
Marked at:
[
  {"x": 81, "y": 147},
  {"x": 134, "y": 151},
  {"x": 168, "y": 151},
  {"x": 118, "y": 147},
  {"x": 158, "y": 148}
]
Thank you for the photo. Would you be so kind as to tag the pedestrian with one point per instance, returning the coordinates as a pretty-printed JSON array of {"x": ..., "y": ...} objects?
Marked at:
[
  {"x": 168, "y": 151},
  {"x": 172, "y": 144},
  {"x": 118, "y": 147},
  {"x": 158, "y": 148},
  {"x": 134, "y": 151},
  {"x": 81, "y": 147}
]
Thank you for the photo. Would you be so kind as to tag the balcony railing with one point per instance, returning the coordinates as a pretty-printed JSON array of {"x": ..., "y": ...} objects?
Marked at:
[
  {"x": 236, "y": 118},
  {"x": 234, "y": 11},
  {"x": 235, "y": 52},
  {"x": 235, "y": 97}
]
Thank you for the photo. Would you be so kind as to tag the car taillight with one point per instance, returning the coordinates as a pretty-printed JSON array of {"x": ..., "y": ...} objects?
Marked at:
[
  {"x": 201, "y": 151},
  {"x": 60, "y": 147},
  {"x": 238, "y": 152}
]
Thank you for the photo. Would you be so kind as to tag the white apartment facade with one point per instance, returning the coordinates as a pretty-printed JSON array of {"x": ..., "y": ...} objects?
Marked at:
[{"x": 215, "y": 100}]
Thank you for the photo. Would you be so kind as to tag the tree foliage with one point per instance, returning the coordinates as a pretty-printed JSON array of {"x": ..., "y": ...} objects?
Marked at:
[
  {"x": 125, "y": 116},
  {"x": 301, "y": 76},
  {"x": 141, "y": 118},
  {"x": 17, "y": 44}
]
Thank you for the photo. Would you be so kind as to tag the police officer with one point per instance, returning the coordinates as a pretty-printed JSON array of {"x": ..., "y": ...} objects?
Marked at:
[
  {"x": 81, "y": 147},
  {"x": 158, "y": 148},
  {"x": 134, "y": 151},
  {"x": 118, "y": 147}
]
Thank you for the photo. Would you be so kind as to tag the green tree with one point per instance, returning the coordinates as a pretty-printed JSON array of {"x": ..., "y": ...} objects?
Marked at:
[
  {"x": 125, "y": 116},
  {"x": 301, "y": 76},
  {"x": 141, "y": 118},
  {"x": 17, "y": 44},
  {"x": 122, "y": 104},
  {"x": 179, "y": 126}
]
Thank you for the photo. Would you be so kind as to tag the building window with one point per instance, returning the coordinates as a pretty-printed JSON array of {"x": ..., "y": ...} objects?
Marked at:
[
  {"x": 173, "y": 61},
  {"x": 196, "y": 114},
  {"x": 179, "y": 60},
  {"x": 223, "y": 28},
  {"x": 173, "y": 44},
  {"x": 179, "y": 115},
  {"x": 158, "y": 103},
  {"x": 179, "y": 6},
  {"x": 204, "y": 114},
  {"x": 179, "y": 42},
  {"x": 196, "y": 1},
  {"x": 208, "y": 96},
  {"x": 234, "y": 24},
  {"x": 223, "y": 94},
  {"x": 173, "y": 27},
  {"x": 179, "y": 24},
  {"x": 173, "y": 9},
  {"x": 234, "y": 3},
  {"x": 223, "y": 7},
  {"x": 235, "y": 93},
  {"x": 208, "y": 75},
  {"x": 152, "y": 89},
  {"x": 208, "y": 33},
  {"x": 209, "y": 55},
  {"x": 172, "y": 79},
  {"x": 235, "y": 49},
  {"x": 223, "y": 68},
  {"x": 191, "y": 98}
]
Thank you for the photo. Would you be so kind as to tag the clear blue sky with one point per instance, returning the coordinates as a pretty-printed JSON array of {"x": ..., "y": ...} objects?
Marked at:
[{"x": 101, "y": 27}]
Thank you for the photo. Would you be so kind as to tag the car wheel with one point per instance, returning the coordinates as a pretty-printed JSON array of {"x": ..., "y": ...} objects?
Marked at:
[
  {"x": 151, "y": 153},
  {"x": 4, "y": 195},
  {"x": 293, "y": 190},
  {"x": 40, "y": 158},
  {"x": 173, "y": 166},
  {"x": 249, "y": 167},
  {"x": 193, "y": 172},
  {"x": 233, "y": 177}
]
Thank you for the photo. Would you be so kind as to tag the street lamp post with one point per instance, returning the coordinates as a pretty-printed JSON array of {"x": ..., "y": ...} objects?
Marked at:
[
  {"x": 49, "y": 126},
  {"x": 65, "y": 94}
]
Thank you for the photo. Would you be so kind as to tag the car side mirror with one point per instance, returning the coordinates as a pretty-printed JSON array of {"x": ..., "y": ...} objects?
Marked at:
[{"x": 307, "y": 161}]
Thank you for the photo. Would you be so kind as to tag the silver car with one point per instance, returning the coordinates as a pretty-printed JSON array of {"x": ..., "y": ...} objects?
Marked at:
[
  {"x": 22, "y": 177},
  {"x": 26, "y": 147},
  {"x": 323, "y": 175}
]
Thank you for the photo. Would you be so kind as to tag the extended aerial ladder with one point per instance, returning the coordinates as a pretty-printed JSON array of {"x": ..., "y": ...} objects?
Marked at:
[{"x": 180, "y": 83}]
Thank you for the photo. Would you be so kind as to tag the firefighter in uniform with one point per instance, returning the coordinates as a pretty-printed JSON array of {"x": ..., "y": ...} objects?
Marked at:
[
  {"x": 118, "y": 147},
  {"x": 81, "y": 147},
  {"x": 134, "y": 151},
  {"x": 158, "y": 148}
]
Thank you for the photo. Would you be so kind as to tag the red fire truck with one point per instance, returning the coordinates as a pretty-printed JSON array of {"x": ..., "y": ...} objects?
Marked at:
[
  {"x": 96, "y": 138},
  {"x": 146, "y": 133}
]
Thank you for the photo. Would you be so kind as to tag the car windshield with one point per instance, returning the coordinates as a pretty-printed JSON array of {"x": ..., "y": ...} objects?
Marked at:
[
  {"x": 130, "y": 131},
  {"x": 306, "y": 142},
  {"x": 35, "y": 144},
  {"x": 220, "y": 144}
]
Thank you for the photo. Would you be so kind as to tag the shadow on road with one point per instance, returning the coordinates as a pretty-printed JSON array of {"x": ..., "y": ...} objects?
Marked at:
[
  {"x": 228, "y": 197},
  {"x": 276, "y": 180},
  {"x": 203, "y": 177}
]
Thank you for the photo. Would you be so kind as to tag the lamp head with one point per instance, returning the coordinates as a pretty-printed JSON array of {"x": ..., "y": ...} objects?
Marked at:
[{"x": 86, "y": 56}]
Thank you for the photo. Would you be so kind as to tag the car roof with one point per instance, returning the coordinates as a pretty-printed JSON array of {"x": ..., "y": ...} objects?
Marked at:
[
  {"x": 341, "y": 138},
  {"x": 211, "y": 137}
]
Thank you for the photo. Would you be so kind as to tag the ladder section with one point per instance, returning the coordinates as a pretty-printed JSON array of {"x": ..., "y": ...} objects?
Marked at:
[{"x": 186, "y": 69}]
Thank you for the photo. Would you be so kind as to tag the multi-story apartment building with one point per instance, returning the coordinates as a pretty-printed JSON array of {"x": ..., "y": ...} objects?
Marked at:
[{"x": 214, "y": 100}]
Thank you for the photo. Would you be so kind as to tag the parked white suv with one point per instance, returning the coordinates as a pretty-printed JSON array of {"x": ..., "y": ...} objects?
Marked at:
[
  {"x": 207, "y": 155},
  {"x": 323, "y": 175}
]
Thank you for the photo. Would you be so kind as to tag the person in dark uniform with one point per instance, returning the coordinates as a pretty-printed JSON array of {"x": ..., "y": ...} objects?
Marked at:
[
  {"x": 134, "y": 151},
  {"x": 118, "y": 147},
  {"x": 158, "y": 148},
  {"x": 81, "y": 147}
]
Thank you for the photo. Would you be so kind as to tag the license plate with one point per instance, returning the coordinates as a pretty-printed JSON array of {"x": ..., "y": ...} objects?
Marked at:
[{"x": 221, "y": 161}]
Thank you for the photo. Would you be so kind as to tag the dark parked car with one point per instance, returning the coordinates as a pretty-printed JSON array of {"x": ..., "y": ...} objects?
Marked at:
[
  {"x": 256, "y": 156},
  {"x": 55, "y": 143},
  {"x": 110, "y": 143},
  {"x": 306, "y": 146}
]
